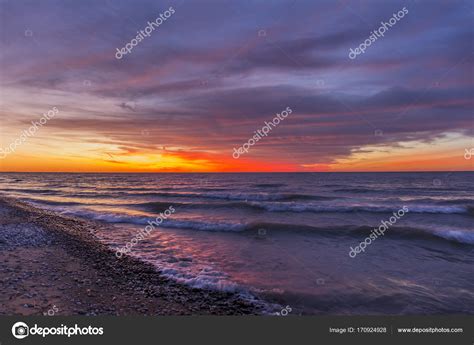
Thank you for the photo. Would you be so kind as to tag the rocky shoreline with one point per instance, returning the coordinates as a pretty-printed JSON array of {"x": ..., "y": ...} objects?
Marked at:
[{"x": 54, "y": 265}]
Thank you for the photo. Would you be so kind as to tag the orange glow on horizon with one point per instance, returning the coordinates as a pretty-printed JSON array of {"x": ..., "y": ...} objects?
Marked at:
[{"x": 179, "y": 162}]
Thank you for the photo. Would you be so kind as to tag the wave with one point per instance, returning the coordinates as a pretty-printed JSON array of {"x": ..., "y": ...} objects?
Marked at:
[
  {"x": 356, "y": 190},
  {"x": 131, "y": 189},
  {"x": 113, "y": 218},
  {"x": 269, "y": 185},
  {"x": 394, "y": 189},
  {"x": 290, "y": 207},
  {"x": 161, "y": 205},
  {"x": 152, "y": 190},
  {"x": 280, "y": 202},
  {"x": 454, "y": 235},
  {"x": 205, "y": 226},
  {"x": 263, "y": 197},
  {"x": 298, "y": 207},
  {"x": 32, "y": 191},
  {"x": 434, "y": 200},
  {"x": 168, "y": 223},
  {"x": 237, "y": 196},
  {"x": 155, "y": 206},
  {"x": 52, "y": 202},
  {"x": 210, "y": 280}
]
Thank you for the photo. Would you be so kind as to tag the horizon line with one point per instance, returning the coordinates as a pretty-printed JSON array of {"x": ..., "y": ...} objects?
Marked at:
[{"x": 228, "y": 172}]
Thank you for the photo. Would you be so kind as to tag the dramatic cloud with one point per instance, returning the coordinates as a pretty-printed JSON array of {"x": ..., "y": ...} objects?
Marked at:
[{"x": 213, "y": 73}]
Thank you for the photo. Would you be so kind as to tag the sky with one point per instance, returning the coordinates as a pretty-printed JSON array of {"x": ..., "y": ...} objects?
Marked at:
[{"x": 213, "y": 72}]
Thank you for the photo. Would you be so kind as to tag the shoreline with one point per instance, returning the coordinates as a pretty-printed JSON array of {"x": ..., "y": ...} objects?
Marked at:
[{"x": 54, "y": 265}]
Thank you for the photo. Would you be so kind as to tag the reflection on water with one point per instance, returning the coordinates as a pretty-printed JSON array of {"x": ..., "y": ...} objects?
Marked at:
[{"x": 286, "y": 237}]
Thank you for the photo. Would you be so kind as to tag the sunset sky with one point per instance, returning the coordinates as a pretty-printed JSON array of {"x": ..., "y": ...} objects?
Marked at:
[{"x": 215, "y": 71}]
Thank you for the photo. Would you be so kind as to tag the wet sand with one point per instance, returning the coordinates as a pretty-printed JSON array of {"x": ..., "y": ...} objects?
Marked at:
[{"x": 53, "y": 264}]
